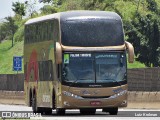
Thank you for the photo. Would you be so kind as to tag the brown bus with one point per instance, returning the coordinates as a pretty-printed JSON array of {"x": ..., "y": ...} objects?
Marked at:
[{"x": 76, "y": 60}]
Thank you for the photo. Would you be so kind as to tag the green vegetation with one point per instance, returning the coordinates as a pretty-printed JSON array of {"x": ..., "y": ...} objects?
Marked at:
[
  {"x": 6, "y": 56},
  {"x": 140, "y": 17},
  {"x": 136, "y": 64},
  {"x": 19, "y": 8}
]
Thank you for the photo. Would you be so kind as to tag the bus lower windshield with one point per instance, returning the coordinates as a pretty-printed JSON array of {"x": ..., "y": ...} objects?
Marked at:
[{"x": 94, "y": 67}]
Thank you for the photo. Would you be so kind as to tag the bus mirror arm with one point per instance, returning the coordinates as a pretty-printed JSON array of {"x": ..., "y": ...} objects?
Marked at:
[
  {"x": 58, "y": 53},
  {"x": 130, "y": 52}
]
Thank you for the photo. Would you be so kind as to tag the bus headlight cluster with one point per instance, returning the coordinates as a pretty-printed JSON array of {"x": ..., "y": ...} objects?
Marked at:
[
  {"x": 119, "y": 94},
  {"x": 71, "y": 95}
]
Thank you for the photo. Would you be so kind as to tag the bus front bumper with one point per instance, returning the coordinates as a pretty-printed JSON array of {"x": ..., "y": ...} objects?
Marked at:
[{"x": 71, "y": 101}]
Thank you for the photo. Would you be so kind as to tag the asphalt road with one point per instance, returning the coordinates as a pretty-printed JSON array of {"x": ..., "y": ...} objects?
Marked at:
[{"x": 124, "y": 114}]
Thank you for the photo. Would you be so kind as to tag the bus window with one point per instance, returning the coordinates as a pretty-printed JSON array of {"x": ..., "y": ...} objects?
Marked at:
[
  {"x": 58, "y": 71},
  {"x": 56, "y": 30},
  {"x": 50, "y": 67},
  {"x": 46, "y": 70},
  {"x": 40, "y": 71}
]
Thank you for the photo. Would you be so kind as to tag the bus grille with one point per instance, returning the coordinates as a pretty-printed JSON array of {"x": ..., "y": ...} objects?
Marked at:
[{"x": 95, "y": 97}]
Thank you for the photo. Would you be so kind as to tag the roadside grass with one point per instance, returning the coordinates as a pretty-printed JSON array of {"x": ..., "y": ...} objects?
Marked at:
[
  {"x": 6, "y": 56},
  {"x": 136, "y": 64}
]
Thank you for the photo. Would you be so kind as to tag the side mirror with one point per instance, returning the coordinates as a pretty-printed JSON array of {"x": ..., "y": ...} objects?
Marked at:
[
  {"x": 58, "y": 53},
  {"x": 130, "y": 52}
]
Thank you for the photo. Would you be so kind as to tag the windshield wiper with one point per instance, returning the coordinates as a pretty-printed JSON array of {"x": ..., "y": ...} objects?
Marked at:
[
  {"x": 114, "y": 80},
  {"x": 76, "y": 81}
]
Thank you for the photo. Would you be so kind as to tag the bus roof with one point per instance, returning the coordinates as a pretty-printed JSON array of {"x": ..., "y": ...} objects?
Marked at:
[
  {"x": 91, "y": 29},
  {"x": 79, "y": 14},
  {"x": 84, "y": 14},
  {"x": 42, "y": 18}
]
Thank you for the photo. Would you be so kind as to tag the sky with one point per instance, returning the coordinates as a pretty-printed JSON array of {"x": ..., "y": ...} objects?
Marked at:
[{"x": 6, "y": 7}]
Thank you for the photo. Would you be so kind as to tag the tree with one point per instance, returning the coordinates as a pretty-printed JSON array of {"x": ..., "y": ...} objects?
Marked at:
[
  {"x": 11, "y": 27},
  {"x": 145, "y": 36},
  {"x": 30, "y": 7},
  {"x": 3, "y": 32},
  {"x": 45, "y": 1},
  {"x": 48, "y": 9},
  {"x": 52, "y": 6},
  {"x": 152, "y": 6},
  {"x": 57, "y": 2},
  {"x": 19, "y": 8}
]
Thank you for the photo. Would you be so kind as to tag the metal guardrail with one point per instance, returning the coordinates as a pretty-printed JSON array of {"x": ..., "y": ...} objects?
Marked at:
[
  {"x": 144, "y": 79},
  {"x": 12, "y": 82}
]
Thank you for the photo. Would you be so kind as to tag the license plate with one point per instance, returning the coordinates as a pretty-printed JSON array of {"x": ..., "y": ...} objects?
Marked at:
[{"x": 95, "y": 103}]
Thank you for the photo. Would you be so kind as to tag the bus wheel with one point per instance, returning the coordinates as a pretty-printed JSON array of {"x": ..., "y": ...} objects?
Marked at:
[
  {"x": 112, "y": 111},
  {"x": 30, "y": 99},
  {"x": 34, "y": 104},
  {"x": 53, "y": 102},
  {"x": 48, "y": 111},
  {"x": 60, "y": 111},
  {"x": 87, "y": 111}
]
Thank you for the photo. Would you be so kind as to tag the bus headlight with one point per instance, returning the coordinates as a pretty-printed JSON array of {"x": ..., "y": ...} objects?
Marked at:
[
  {"x": 71, "y": 95},
  {"x": 119, "y": 94}
]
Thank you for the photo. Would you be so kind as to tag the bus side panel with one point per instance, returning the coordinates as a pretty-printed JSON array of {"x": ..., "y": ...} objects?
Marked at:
[{"x": 39, "y": 55}]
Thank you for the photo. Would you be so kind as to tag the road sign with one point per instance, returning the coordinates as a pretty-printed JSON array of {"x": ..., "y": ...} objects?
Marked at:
[{"x": 17, "y": 63}]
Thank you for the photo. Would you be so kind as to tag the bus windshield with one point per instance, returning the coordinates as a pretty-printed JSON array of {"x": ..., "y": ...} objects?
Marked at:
[
  {"x": 93, "y": 67},
  {"x": 92, "y": 32}
]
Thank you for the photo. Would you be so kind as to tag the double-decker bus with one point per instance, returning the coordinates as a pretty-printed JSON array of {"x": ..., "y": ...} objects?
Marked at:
[{"x": 76, "y": 60}]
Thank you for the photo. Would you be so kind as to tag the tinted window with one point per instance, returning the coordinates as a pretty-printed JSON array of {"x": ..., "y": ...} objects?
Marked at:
[
  {"x": 110, "y": 67},
  {"x": 42, "y": 31},
  {"x": 92, "y": 32},
  {"x": 46, "y": 70},
  {"x": 78, "y": 68},
  {"x": 94, "y": 67}
]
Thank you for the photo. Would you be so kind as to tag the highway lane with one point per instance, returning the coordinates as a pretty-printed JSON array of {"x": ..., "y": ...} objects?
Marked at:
[{"x": 125, "y": 114}]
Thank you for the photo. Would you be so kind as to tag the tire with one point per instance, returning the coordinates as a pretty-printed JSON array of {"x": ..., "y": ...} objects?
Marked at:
[
  {"x": 48, "y": 111},
  {"x": 30, "y": 99},
  {"x": 112, "y": 111},
  {"x": 34, "y": 104},
  {"x": 87, "y": 111},
  {"x": 60, "y": 111},
  {"x": 53, "y": 102}
]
